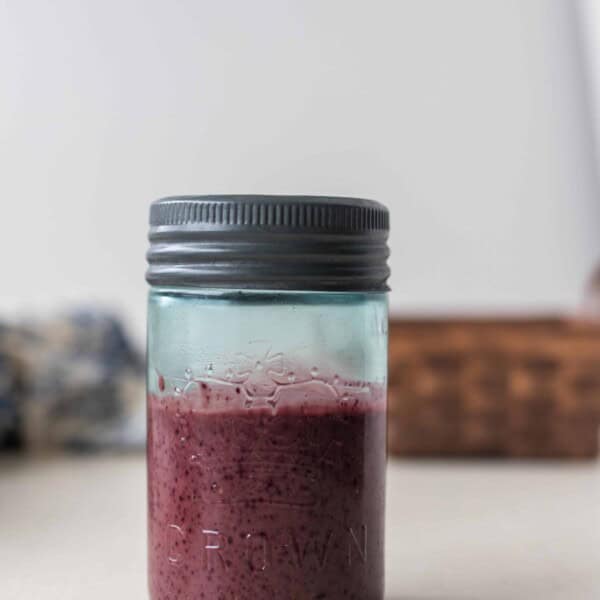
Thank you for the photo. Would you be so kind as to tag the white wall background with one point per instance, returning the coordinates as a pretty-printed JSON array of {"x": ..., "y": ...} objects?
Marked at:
[
  {"x": 467, "y": 117},
  {"x": 589, "y": 26}
]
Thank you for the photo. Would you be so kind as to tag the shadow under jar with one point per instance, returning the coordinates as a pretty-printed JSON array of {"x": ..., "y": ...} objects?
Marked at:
[{"x": 267, "y": 365}]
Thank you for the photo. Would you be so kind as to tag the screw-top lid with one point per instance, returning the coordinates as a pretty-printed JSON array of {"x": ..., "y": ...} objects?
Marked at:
[{"x": 308, "y": 243}]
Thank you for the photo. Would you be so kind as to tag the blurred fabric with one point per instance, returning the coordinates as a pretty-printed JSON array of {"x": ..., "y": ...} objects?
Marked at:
[{"x": 75, "y": 382}]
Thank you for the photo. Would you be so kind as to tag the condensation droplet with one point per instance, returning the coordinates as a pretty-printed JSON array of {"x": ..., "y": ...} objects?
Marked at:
[
  {"x": 209, "y": 368},
  {"x": 291, "y": 377},
  {"x": 178, "y": 390},
  {"x": 259, "y": 366},
  {"x": 336, "y": 380},
  {"x": 314, "y": 372},
  {"x": 213, "y": 486},
  {"x": 188, "y": 373},
  {"x": 194, "y": 459},
  {"x": 182, "y": 440},
  {"x": 229, "y": 374}
]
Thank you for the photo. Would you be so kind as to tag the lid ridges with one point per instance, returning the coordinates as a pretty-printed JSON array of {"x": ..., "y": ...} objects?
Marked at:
[
  {"x": 270, "y": 211},
  {"x": 308, "y": 243}
]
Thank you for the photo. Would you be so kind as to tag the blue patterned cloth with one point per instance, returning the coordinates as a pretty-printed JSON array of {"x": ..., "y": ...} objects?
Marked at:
[
  {"x": 10, "y": 396},
  {"x": 81, "y": 384}
]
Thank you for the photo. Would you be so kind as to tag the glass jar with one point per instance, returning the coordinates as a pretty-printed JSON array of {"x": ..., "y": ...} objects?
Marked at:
[{"x": 266, "y": 398}]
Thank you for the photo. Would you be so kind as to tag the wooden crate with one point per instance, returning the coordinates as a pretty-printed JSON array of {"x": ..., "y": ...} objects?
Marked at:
[{"x": 523, "y": 388}]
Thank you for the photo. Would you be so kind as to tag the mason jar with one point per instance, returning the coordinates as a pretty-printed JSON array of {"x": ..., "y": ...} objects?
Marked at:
[{"x": 267, "y": 354}]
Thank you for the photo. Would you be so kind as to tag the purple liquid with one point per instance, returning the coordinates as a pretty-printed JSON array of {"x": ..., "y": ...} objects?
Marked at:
[{"x": 251, "y": 504}]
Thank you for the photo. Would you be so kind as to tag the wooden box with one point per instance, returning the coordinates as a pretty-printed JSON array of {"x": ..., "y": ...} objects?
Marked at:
[{"x": 526, "y": 388}]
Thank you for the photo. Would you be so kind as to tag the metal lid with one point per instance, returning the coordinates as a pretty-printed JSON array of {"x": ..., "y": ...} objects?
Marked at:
[{"x": 308, "y": 243}]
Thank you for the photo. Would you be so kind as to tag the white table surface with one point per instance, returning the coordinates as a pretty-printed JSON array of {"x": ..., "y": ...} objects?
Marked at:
[{"x": 74, "y": 529}]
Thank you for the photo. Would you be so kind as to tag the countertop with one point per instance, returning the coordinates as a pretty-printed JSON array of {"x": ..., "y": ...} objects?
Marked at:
[{"x": 74, "y": 529}]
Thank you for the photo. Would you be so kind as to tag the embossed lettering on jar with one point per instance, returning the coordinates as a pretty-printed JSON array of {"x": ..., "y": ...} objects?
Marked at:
[{"x": 267, "y": 341}]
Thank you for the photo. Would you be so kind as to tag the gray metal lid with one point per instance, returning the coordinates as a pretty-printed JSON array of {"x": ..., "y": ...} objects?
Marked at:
[{"x": 309, "y": 243}]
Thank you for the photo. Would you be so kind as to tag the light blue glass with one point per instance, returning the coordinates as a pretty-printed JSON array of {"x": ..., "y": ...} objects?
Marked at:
[
  {"x": 266, "y": 444},
  {"x": 203, "y": 333}
]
